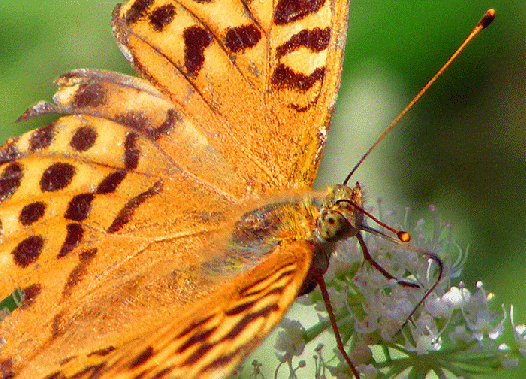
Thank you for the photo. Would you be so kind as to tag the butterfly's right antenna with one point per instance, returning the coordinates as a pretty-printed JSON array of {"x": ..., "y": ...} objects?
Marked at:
[
  {"x": 404, "y": 237},
  {"x": 431, "y": 257},
  {"x": 488, "y": 17}
]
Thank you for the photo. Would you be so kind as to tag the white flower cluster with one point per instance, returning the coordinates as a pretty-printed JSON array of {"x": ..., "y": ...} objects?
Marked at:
[{"x": 395, "y": 328}]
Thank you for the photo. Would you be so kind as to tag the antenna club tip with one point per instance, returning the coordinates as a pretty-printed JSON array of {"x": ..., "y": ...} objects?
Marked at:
[
  {"x": 488, "y": 17},
  {"x": 403, "y": 236}
]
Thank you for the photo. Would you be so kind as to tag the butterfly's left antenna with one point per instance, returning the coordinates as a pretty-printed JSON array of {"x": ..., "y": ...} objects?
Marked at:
[{"x": 488, "y": 17}]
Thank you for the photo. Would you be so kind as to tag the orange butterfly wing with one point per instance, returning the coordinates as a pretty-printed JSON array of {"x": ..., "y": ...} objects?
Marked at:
[
  {"x": 107, "y": 213},
  {"x": 120, "y": 226},
  {"x": 212, "y": 337},
  {"x": 260, "y": 78}
]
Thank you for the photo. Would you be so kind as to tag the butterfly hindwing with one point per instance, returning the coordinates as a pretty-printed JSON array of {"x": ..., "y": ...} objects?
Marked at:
[{"x": 212, "y": 338}]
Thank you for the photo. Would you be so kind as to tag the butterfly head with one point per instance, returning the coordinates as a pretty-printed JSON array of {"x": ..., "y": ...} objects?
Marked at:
[{"x": 340, "y": 216}]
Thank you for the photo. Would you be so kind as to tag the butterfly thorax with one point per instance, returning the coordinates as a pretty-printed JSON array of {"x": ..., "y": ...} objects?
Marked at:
[{"x": 320, "y": 220}]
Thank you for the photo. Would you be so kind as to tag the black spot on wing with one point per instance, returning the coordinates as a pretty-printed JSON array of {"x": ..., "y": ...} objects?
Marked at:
[
  {"x": 285, "y": 77},
  {"x": 57, "y": 325},
  {"x": 89, "y": 95},
  {"x": 287, "y": 11},
  {"x": 139, "y": 122},
  {"x": 102, "y": 352},
  {"x": 10, "y": 180},
  {"x": 250, "y": 318},
  {"x": 194, "y": 339},
  {"x": 245, "y": 307},
  {"x": 192, "y": 327},
  {"x": 161, "y": 17},
  {"x": 28, "y": 251},
  {"x": 55, "y": 375},
  {"x": 30, "y": 294},
  {"x": 74, "y": 234},
  {"x": 138, "y": 10},
  {"x": 134, "y": 120},
  {"x": 201, "y": 351},
  {"x": 255, "y": 289},
  {"x": 84, "y": 138},
  {"x": 131, "y": 151},
  {"x": 56, "y": 177},
  {"x": 242, "y": 37},
  {"x": 221, "y": 361},
  {"x": 80, "y": 270},
  {"x": 79, "y": 207},
  {"x": 42, "y": 138},
  {"x": 31, "y": 213},
  {"x": 142, "y": 357},
  {"x": 110, "y": 183},
  {"x": 164, "y": 373},
  {"x": 66, "y": 360},
  {"x": 9, "y": 152},
  {"x": 126, "y": 213},
  {"x": 196, "y": 40},
  {"x": 315, "y": 40},
  {"x": 6, "y": 369},
  {"x": 172, "y": 118}
]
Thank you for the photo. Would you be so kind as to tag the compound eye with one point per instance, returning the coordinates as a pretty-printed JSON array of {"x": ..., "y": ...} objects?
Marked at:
[{"x": 331, "y": 225}]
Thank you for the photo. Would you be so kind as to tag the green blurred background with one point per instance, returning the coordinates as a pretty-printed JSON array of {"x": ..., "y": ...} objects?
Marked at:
[{"x": 462, "y": 148}]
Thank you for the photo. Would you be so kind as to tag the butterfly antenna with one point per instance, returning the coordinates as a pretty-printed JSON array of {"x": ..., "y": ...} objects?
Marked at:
[
  {"x": 431, "y": 256},
  {"x": 402, "y": 235},
  {"x": 488, "y": 17},
  {"x": 402, "y": 239}
]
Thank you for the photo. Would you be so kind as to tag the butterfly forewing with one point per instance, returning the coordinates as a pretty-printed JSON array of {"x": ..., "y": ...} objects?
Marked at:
[
  {"x": 109, "y": 214},
  {"x": 247, "y": 72},
  {"x": 86, "y": 243}
]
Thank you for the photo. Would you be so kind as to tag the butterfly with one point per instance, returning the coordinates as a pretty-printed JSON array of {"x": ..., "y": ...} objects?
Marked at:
[{"x": 162, "y": 226}]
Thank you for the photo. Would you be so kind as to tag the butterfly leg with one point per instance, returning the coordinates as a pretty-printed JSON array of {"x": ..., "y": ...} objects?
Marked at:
[{"x": 321, "y": 282}]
